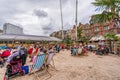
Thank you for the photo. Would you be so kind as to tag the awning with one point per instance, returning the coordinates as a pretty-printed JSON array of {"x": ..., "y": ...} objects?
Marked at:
[
  {"x": 96, "y": 38},
  {"x": 118, "y": 35}
]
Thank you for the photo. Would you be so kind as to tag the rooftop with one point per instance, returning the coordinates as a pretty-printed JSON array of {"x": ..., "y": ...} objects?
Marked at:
[{"x": 27, "y": 37}]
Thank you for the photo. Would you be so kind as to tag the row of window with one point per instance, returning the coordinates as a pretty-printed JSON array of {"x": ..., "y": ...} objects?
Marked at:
[{"x": 105, "y": 28}]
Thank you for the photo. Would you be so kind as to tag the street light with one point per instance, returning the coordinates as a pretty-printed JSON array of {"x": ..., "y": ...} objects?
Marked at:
[
  {"x": 76, "y": 17},
  {"x": 61, "y": 19}
]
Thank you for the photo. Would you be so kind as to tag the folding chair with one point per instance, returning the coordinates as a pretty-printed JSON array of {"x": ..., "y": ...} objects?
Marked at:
[
  {"x": 50, "y": 58},
  {"x": 38, "y": 64}
]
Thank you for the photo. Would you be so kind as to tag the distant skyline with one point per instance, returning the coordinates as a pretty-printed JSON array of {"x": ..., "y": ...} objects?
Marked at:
[{"x": 42, "y": 17}]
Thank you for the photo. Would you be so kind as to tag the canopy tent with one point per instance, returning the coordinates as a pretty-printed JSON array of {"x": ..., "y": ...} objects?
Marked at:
[
  {"x": 118, "y": 35},
  {"x": 27, "y": 37},
  {"x": 101, "y": 38}
]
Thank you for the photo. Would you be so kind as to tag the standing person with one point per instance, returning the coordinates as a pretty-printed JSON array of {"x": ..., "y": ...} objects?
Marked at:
[{"x": 58, "y": 48}]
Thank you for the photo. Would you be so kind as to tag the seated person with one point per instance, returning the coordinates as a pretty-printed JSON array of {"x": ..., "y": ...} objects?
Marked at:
[
  {"x": 20, "y": 52},
  {"x": 74, "y": 50}
]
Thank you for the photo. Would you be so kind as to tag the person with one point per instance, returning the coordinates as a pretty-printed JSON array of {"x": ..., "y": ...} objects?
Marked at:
[
  {"x": 24, "y": 54},
  {"x": 30, "y": 50},
  {"x": 90, "y": 48},
  {"x": 35, "y": 53},
  {"x": 1, "y": 62},
  {"x": 36, "y": 50},
  {"x": 74, "y": 50},
  {"x": 80, "y": 49},
  {"x": 86, "y": 49},
  {"x": 62, "y": 46},
  {"x": 16, "y": 53},
  {"x": 58, "y": 48}
]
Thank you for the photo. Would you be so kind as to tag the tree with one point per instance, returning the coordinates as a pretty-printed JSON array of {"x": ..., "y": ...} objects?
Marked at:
[
  {"x": 79, "y": 33},
  {"x": 110, "y": 37},
  {"x": 112, "y": 5},
  {"x": 110, "y": 10},
  {"x": 80, "y": 36}
]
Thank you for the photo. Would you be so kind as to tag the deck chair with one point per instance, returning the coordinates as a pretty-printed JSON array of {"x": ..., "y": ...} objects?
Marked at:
[
  {"x": 38, "y": 64},
  {"x": 50, "y": 58}
]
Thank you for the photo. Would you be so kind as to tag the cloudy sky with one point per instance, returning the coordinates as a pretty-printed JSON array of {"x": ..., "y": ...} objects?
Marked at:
[{"x": 42, "y": 17}]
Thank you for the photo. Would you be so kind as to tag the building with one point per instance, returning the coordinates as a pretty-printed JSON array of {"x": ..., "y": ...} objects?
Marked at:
[
  {"x": 1, "y": 31},
  {"x": 73, "y": 33},
  {"x": 98, "y": 29},
  {"x": 58, "y": 34},
  {"x": 14, "y": 33},
  {"x": 12, "y": 29},
  {"x": 85, "y": 30}
]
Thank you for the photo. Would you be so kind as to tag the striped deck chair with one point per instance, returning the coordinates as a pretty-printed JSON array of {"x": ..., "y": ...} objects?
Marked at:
[
  {"x": 38, "y": 64},
  {"x": 50, "y": 58}
]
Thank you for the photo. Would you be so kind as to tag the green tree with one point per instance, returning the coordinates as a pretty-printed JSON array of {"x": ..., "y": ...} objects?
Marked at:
[
  {"x": 110, "y": 10},
  {"x": 79, "y": 33},
  {"x": 110, "y": 37},
  {"x": 112, "y": 5}
]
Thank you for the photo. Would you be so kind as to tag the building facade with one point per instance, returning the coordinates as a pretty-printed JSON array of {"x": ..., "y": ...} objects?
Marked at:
[
  {"x": 86, "y": 29},
  {"x": 58, "y": 34},
  {"x": 1, "y": 31},
  {"x": 99, "y": 29},
  {"x": 12, "y": 29}
]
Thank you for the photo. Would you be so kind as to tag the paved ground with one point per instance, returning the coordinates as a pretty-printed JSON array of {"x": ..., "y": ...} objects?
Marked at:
[{"x": 91, "y": 67}]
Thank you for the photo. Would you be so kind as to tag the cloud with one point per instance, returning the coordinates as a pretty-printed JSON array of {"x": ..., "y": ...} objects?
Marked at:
[
  {"x": 42, "y": 17},
  {"x": 40, "y": 13}
]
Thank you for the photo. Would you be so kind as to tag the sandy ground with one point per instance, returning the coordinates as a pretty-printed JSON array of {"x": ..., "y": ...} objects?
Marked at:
[{"x": 91, "y": 67}]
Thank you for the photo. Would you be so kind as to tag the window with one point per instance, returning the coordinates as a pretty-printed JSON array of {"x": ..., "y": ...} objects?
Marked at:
[
  {"x": 87, "y": 31},
  {"x": 106, "y": 27},
  {"x": 96, "y": 29}
]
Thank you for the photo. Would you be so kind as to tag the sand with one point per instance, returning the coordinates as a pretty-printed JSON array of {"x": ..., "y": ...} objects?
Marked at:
[{"x": 91, "y": 67}]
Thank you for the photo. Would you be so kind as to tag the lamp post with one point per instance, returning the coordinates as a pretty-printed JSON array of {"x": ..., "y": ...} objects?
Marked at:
[
  {"x": 76, "y": 17},
  {"x": 61, "y": 19}
]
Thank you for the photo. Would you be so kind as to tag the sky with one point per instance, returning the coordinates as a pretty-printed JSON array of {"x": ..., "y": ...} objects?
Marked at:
[{"x": 42, "y": 17}]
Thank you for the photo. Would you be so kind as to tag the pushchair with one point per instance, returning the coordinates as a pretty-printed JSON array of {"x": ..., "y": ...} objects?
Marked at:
[{"x": 15, "y": 66}]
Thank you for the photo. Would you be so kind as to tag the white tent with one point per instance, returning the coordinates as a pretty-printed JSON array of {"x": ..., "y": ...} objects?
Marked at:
[{"x": 118, "y": 35}]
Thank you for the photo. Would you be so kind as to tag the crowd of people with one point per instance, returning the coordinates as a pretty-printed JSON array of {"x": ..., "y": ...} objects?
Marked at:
[
  {"x": 8, "y": 53},
  {"x": 30, "y": 52},
  {"x": 33, "y": 50},
  {"x": 80, "y": 49}
]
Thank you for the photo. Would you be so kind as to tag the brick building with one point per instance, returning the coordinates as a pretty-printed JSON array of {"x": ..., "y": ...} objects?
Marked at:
[
  {"x": 86, "y": 29},
  {"x": 104, "y": 28}
]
